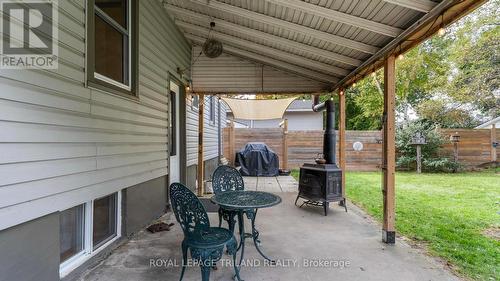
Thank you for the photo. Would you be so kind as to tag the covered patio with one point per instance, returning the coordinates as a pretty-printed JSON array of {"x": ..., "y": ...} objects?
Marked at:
[
  {"x": 306, "y": 244},
  {"x": 274, "y": 47},
  {"x": 278, "y": 47},
  {"x": 93, "y": 149}
]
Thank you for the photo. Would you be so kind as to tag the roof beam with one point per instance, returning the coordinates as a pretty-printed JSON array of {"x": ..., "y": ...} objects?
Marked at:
[
  {"x": 417, "y": 5},
  {"x": 203, "y": 19},
  {"x": 271, "y": 62},
  {"x": 272, "y": 52},
  {"x": 286, "y": 25},
  {"x": 337, "y": 16}
]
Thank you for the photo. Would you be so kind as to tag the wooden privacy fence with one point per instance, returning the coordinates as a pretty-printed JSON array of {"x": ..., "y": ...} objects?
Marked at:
[{"x": 475, "y": 146}]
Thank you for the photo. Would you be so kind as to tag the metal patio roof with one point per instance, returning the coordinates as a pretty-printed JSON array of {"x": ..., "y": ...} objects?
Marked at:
[{"x": 330, "y": 41}]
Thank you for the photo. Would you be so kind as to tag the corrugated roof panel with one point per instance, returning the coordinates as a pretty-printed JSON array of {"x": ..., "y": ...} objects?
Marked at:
[
  {"x": 315, "y": 28},
  {"x": 228, "y": 73}
]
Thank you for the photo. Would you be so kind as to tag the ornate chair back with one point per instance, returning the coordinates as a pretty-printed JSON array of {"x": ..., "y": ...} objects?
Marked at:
[
  {"x": 227, "y": 178},
  {"x": 188, "y": 210}
]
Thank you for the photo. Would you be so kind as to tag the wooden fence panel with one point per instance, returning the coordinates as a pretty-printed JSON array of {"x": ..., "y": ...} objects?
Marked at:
[
  {"x": 303, "y": 146},
  {"x": 474, "y": 147}
]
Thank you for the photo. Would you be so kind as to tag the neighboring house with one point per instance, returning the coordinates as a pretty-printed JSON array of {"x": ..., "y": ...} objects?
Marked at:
[
  {"x": 300, "y": 117},
  {"x": 88, "y": 150},
  {"x": 488, "y": 125}
]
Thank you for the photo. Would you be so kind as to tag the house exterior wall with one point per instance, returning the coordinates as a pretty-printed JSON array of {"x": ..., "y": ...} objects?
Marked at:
[
  {"x": 62, "y": 143},
  {"x": 210, "y": 130},
  {"x": 142, "y": 203},
  {"x": 28, "y": 257},
  {"x": 210, "y": 138}
]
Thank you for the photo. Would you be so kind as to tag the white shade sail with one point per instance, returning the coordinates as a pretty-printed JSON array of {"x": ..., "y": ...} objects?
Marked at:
[{"x": 258, "y": 109}]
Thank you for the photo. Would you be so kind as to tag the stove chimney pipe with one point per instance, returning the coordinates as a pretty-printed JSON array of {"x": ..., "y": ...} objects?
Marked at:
[{"x": 329, "y": 141}]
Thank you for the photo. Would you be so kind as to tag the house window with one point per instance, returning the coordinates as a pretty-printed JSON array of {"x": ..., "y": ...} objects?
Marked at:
[
  {"x": 86, "y": 229},
  {"x": 111, "y": 59},
  {"x": 71, "y": 232},
  {"x": 212, "y": 109},
  {"x": 104, "y": 220}
]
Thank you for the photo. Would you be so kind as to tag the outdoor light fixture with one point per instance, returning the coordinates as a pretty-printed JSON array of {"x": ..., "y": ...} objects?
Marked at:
[
  {"x": 188, "y": 86},
  {"x": 400, "y": 57},
  {"x": 441, "y": 30},
  {"x": 341, "y": 93},
  {"x": 354, "y": 84},
  {"x": 373, "y": 74}
]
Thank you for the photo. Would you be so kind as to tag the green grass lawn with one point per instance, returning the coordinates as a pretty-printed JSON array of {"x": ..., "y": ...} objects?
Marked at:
[{"x": 445, "y": 212}]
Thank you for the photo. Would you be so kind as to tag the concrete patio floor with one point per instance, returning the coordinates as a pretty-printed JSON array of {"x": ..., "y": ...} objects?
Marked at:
[
  {"x": 303, "y": 240},
  {"x": 271, "y": 184}
]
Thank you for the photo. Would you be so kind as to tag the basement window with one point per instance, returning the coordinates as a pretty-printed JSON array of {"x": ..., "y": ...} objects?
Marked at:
[
  {"x": 104, "y": 220},
  {"x": 111, "y": 60},
  {"x": 71, "y": 232},
  {"x": 86, "y": 229}
]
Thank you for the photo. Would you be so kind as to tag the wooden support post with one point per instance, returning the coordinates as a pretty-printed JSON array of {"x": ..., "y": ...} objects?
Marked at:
[
  {"x": 342, "y": 139},
  {"x": 493, "y": 137},
  {"x": 389, "y": 152},
  {"x": 231, "y": 143},
  {"x": 201, "y": 123},
  {"x": 285, "y": 144}
]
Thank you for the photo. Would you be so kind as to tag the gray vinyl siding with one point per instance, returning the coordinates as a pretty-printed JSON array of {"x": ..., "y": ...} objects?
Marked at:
[
  {"x": 229, "y": 73},
  {"x": 62, "y": 144},
  {"x": 210, "y": 132}
]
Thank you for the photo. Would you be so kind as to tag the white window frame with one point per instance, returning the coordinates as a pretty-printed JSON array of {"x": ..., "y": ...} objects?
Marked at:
[
  {"x": 88, "y": 252},
  {"x": 127, "y": 87}
]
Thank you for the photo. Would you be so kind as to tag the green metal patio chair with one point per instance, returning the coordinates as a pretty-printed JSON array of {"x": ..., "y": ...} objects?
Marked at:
[
  {"x": 226, "y": 178},
  {"x": 205, "y": 243}
]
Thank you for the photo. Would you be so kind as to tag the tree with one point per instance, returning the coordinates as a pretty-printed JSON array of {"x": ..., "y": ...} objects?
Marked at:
[
  {"x": 450, "y": 81},
  {"x": 475, "y": 58}
]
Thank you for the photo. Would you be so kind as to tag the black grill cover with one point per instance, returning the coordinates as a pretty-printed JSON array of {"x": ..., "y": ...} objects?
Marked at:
[{"x": 257, "y": 159}]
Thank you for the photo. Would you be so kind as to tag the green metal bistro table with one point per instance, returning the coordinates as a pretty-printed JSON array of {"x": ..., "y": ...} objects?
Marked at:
[{"x": 247, "y": 202}]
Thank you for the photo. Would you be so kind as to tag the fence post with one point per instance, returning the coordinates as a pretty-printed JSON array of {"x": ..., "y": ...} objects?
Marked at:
[{"x": 285, "y": 144}]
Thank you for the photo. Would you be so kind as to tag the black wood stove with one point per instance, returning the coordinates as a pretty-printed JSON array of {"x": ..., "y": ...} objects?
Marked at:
[{"x": 320, "y": 184}]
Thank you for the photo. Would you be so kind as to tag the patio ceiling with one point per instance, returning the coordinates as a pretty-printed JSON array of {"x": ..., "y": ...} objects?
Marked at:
[{"x": 331, "y": 41}]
